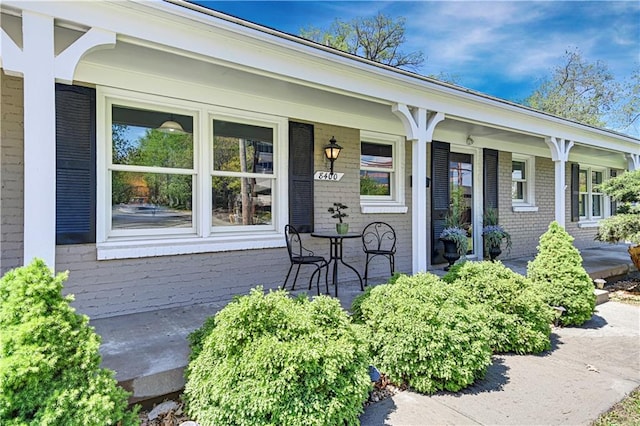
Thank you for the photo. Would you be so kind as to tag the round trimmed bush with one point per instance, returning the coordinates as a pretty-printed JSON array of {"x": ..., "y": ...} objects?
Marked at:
[
  {"x": 424, "y": 333},
  {"x": 519, "y": 319},
  {"x": 558, "y": 273},
  {"x": 271, "y": 359},
  {"x": 49, "y": 360}
]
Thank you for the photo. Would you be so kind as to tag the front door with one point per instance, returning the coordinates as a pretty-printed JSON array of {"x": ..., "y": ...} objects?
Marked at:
[{"x": 452, "y": 178}]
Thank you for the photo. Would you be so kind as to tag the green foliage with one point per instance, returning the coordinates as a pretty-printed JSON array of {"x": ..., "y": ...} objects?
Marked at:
[
  {"x": 625, "y": 226},
  {"x": 557, "y": 271},
  {"x": 519, "y": 320},
  {"x": 369, "y": 186},
  {"x": 453, "y": 273},
  {"x": 587, "y": 92},
  {"x": 49, "y": 360},
  {"x": 425, "y": 333},
  {"x": 378, "y": 38},
  {"x": 621, "y": 227},
  {"x": 271, "y": 359}
]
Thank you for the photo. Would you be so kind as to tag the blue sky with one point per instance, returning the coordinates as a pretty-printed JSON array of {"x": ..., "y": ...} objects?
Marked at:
[{"x": 499, "y": 48}]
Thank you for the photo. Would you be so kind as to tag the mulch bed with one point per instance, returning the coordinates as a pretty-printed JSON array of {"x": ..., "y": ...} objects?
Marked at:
[
  {"x": 175, "y": 416},
  {"x": 625, "y": 289}
]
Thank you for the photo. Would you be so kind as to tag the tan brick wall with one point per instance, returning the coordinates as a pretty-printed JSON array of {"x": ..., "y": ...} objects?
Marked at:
[
  {"x": 526, "y": 227},
  {"x": 11, "y": 173},
  {"x": 115, "y": 287}
]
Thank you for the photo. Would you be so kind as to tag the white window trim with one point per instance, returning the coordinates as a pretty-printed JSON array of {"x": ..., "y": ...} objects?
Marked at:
[
  {"x": 589, "y": 221},
  {"x": 396, "y": 202},
  {"x": 529, "y": 203},
  {"x": 201, "y": 239}
]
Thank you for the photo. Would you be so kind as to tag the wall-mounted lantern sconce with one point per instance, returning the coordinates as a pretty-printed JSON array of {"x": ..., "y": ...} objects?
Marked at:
[{"x": 331, "y": 151}]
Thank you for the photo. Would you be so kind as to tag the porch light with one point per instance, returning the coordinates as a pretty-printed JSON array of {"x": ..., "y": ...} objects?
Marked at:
[
  {"x": 331, "y": 151},
  {"x": 171, "y": 126}
]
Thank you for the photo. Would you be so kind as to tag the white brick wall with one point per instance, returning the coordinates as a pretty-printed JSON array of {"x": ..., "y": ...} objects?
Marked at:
[{"x": 11, "y": 172}]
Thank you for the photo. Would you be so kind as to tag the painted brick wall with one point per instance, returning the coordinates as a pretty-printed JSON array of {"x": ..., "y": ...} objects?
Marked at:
[
  {"x": 116, "y": 287},
  {"x": 11, "y": 172},
  {"x": 526, "y": 227}
]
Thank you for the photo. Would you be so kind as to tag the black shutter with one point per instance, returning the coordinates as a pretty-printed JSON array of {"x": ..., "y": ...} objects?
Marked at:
[
  {"x": 614, "y": 205},
  {"x": 575, "y": 192},
  {"x": 440, "y": 196},
  {"x": 75, "y": 164},
  {"x": 490, "y": 179},
  {"x": 301, "y": 176}
]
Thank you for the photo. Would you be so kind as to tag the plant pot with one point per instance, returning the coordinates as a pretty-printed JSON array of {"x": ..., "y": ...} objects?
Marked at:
[
  {"x": 494, "y": 251},
  {"x": 634, "y": 252},
  {"x": 342, "y": 228},
  {"x": 450, "y": 253}
]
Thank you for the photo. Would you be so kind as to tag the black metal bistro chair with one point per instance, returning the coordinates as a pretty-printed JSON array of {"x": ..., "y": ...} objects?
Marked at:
[
  {"x": 379, "y": 239},
  {"x": 301, "y": 256}
]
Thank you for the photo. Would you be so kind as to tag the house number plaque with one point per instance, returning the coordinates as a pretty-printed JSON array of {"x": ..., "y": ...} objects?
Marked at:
[{"x": 328, "y": 176}]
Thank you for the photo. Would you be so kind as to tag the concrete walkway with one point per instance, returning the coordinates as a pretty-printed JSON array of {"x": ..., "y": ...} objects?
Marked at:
[
  {"x": 587, "y": 371},
  {"x": 149, "y": 351}
]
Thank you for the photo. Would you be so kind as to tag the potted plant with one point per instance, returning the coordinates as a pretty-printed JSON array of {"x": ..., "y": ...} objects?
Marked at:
[
  {"x": 493, "y": 237},
  {"x": 337, "y": 213},
  {"x": 455, "y": 244},
  {"x": 494, "y": 234}
]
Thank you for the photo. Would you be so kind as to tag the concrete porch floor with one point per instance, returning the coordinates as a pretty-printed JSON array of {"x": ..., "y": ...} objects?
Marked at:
[{"x": 149, "y": 350}]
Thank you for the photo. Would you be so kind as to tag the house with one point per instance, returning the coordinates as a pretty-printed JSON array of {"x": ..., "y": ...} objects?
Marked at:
[{"x": 94, "y": 180}]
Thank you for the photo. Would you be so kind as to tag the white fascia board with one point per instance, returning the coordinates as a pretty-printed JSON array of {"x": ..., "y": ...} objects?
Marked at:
[{"x": 195, "y": 33}]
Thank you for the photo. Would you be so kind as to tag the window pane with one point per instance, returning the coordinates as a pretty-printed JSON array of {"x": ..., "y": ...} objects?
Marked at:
[
  {"x": 582, "y": 205},
  {"x": 138, "y": 142},
  {"x": 375, "y": 183},
  {"x": 374, "y": 155},
  {"x": 517, "y": 190},
  {"x": 241, "y": 201},
  {"x": 596, "y": 179},
  {"x": 597, "y": 205},
  {"x": 583, "y": 181},
  {"x": 242, "y": 148},
  {"x": 517, "y": 170},
  {"x": 151, "y": 200}
]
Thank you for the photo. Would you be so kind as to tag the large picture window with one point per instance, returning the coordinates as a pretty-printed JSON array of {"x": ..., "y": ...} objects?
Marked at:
[
  {"x": 381, "y": 173},
  {"x": 184, "y": 177}
]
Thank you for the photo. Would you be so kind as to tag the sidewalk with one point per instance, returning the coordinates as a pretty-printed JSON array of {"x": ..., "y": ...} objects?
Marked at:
[
  {"x": 588, "y": 370},
  {"x": 149, "y": 351}
]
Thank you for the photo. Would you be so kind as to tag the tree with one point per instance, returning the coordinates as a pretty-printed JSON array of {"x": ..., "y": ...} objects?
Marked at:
[
  {"x": 577, "y": 90},
  {"x": 588, "y": 92},
  {"x": 624, "y": 226},
  {"x": 378, "y": 38}
]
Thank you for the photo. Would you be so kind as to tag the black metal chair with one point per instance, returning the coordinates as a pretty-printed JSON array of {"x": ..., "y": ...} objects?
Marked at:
[
  {"x": 379, "y": 239},
  {"x": 301, "y": 256}
]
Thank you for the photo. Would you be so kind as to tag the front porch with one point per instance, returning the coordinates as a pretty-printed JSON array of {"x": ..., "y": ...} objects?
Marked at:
[{"x": 149, "y": 350}]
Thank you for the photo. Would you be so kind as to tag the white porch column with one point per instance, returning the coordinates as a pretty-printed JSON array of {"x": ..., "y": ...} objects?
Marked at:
[
  {"x": 419, "y": 126},
  {"x": 634, "y": 162},
  {"x": 37, "y": 64},
  {"x": 560, "y": 155}
]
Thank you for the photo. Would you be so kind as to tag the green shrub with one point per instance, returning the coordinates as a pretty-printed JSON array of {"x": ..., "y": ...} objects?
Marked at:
[
  {"x": 557, "y": 271},
  {"x": 424, "y": 333},
  {"x": 519, "y": 319},
  {"x": 454, "y": 272},
  {"x": 271, "y": 359},
  {"x": 49, "y": 361}
]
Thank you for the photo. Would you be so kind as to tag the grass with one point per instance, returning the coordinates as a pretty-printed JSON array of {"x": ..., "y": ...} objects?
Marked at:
[{"x": 624, "y": 413}]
